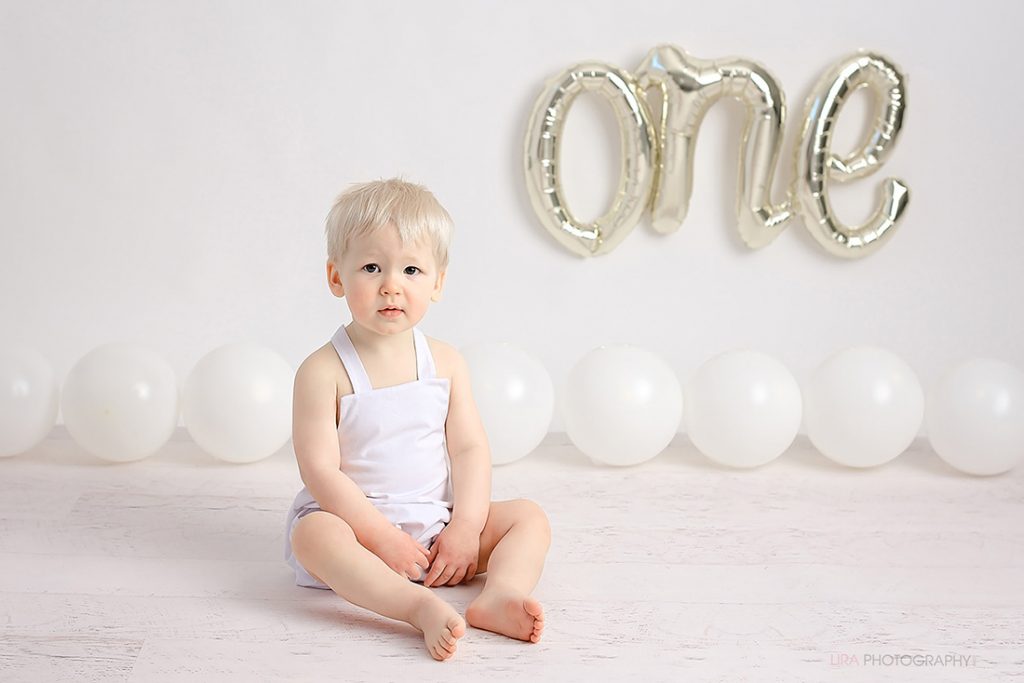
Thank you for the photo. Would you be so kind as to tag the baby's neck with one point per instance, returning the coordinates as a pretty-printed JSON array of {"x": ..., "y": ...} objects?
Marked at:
[{"x": 370, "y": 343}]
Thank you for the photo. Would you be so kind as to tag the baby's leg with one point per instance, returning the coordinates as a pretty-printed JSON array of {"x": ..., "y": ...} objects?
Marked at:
[
  {"x": 327, "y": 548},
  {"x": 513, "y": 545}
]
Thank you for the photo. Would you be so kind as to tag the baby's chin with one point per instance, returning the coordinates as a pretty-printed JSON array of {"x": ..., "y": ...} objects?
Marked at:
[{"x": 386, "y": 327}]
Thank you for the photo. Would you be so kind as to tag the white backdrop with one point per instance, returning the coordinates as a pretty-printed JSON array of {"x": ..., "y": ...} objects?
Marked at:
[{"x": 165, "y": 169}]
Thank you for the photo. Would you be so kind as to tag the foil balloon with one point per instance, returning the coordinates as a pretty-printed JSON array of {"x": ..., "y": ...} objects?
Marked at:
[
  {"x": 816, "y": 165},
  {"x": 688, "y": 87},
  {"x": 657, "y": 151},
  {"x": 543, "y": 147}
]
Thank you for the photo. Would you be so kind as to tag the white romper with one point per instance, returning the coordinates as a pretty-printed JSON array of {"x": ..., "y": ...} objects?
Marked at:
[{"x": 393, "y": 447}]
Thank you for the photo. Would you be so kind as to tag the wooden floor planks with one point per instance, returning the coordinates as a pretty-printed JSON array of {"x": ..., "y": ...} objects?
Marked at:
[{"x": 170, "y": 569}]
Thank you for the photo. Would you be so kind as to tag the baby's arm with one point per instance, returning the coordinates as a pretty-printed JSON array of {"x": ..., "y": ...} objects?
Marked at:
[
  {"x": 315, "y": 439},
  {"x": 455, "y": 553},
  {"x": 468, "y": 450}
]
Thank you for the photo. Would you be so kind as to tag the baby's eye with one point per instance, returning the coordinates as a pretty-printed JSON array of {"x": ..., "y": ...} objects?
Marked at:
[
  {"x": 371, "y": 268},
  {"x": 412, "y": 270}
]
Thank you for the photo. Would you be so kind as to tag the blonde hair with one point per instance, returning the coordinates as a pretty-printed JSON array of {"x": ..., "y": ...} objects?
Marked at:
[{"x": 367, "y": 207}]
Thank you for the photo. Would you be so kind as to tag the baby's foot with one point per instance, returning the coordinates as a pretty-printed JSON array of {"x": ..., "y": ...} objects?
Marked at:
[
  {"x": 508, "y": 613},
  {"x": 441, "y": 625}
]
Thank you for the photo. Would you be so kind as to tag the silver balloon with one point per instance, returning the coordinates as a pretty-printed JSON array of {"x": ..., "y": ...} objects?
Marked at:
[
  {"x": 688, "y": 88},
  {"x": 816, "y": 165},
  {"x": 657, "y": 152},
  {"x": 541, "y": 158}
]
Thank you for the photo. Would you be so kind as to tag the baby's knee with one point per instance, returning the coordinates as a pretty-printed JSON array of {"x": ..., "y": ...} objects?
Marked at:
[
  {"x": 318, "y": 529},
  {"x": 531, "y": 513}
]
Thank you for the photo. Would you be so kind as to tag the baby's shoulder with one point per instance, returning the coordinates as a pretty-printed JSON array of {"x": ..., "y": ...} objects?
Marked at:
[
  {"x": 446, "y": 357},
  {"x": 323, "y": 367}
]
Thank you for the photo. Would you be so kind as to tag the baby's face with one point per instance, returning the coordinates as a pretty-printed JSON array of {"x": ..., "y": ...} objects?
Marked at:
[{"x": 388, "y": 285}]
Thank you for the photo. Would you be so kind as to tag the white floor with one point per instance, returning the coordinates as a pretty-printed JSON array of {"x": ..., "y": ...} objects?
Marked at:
[{"x": 170, "y": 569}]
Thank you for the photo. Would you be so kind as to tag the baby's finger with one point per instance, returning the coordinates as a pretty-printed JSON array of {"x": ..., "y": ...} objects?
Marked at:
[
  {"x": 457, "y": 577},
  {"x": 447, "y": 574},
  {"x": 470, "y": 572},
  {"x": 433, "y": 574},
  {"x": 422, "y": 561}
]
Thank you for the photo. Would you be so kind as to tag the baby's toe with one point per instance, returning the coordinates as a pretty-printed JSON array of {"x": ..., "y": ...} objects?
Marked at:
[{"x": 456, "y": 627}]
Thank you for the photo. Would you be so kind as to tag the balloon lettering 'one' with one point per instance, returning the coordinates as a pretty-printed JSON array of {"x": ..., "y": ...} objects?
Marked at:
[{"x": 657, "y": 151}]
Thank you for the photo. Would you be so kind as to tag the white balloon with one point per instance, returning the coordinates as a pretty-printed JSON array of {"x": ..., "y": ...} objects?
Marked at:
[
  {"x": 237, "y": 403},
  {"x": 742, "y": 408},
  {"x": 622, "y": 405},
  {"x": 863, "y": 407},
  {"x": 515, "y": 398},
  {"x": 120, "y": 402},
  {"x": 29, "y": 398},
  {"x": 975, "y": 417}
]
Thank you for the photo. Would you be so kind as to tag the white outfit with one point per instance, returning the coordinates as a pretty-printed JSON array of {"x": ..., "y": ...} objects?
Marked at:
[{"x": 393, "y": 447}]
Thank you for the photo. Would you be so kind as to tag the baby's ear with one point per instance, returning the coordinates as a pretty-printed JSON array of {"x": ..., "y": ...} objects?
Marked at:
[
  {"x": 438, "y": 286},
  {"x": 334, "y": 280}
]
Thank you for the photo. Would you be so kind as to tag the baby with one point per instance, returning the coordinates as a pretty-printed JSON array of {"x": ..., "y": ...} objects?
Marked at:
[{"x": 391, "y": 448}]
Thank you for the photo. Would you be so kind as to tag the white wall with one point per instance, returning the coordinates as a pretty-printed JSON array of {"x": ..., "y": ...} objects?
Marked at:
[{"x": 165, "y": 169}]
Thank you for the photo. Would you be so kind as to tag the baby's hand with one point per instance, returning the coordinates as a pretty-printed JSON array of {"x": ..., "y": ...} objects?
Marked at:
[
  {"x": 453, "y": 556},
  {"x": 400, "y": 552}
]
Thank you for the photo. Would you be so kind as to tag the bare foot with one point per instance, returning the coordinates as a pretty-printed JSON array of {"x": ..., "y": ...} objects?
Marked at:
[
  {"x": 509, "y": 613},
  {"x": 441, "y": 625}
]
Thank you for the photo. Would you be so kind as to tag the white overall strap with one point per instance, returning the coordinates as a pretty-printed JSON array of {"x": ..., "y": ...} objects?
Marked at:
[
  {"x": 350, "y": 359},
  {"x": 425, "y": 368}
]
